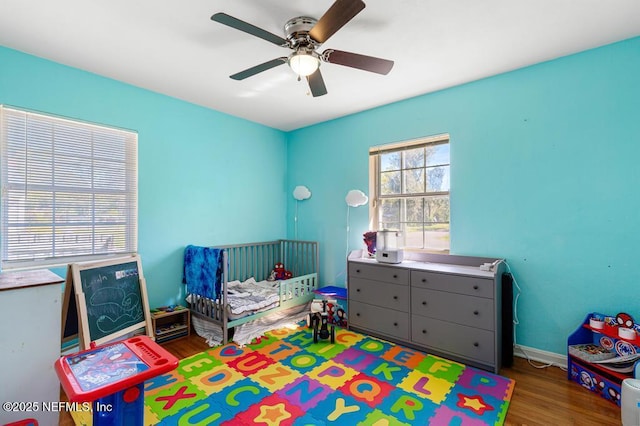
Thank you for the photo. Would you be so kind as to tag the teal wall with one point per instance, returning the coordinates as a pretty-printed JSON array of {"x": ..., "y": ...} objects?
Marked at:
[
  {"x": 204, "y": 177},
  {"x": 545, "y": 173}
]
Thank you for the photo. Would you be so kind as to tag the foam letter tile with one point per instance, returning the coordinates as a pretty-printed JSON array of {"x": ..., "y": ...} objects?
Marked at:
[
  {"x": 197, "y": 364},
  {"x": 275, "y": 376},
  {"x": 305, "y": 392},
  {"x": 169, "y": 401},
  {"x": 441, "y": 368},
  {"x": 497, "y": 386},
  {"x": 272, "y": 410},
  {"x": 332, "y": 374},
  {"x": 250, "y": 363},
  {"x": 216, "y": 379},
  {"x": 356, "y": 359},
  {"x": 279, "y": 350},
  {"x": 408, "y": 407},
  {"x": 340, "y": 409},
  {"x": 210, "y": 410},
  {"x": 426, "y": 386},
  {"x": 367, "y": 389},
  {"x": 377, "y": 417},
  {"x": 386, "y": 371},
  {"x": 303, "y": 362}
]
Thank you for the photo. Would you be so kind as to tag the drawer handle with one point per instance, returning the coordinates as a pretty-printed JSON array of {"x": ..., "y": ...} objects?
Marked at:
[
  {"x": 475, "y": 312},
  {"x": 395, "y": 297},
  {"x": 424, "y": 280},
  {"x": 475, "y": 287},
  {"x": 476, "y": 344},
  {"x": 424, "y": 303},
  {"x": 395, "y": 324},
  {"x": 357, "y": 290},
  {"x": 358, "y": 271},
  {"x": 395, "y": 276},
  {"x": 424, "y": 331},
  {"x": 357, "y": 314}
]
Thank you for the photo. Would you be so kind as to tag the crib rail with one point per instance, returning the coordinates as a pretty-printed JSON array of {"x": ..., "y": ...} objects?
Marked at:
[{"x": 258, "y": 259}]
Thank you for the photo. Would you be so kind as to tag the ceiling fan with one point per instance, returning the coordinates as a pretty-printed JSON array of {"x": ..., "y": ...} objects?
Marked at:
[{"x": 304, "y": 35}]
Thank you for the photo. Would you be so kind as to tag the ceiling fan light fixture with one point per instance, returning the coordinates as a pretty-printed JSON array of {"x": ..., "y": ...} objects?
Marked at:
[{"x": 304, "y": 63}]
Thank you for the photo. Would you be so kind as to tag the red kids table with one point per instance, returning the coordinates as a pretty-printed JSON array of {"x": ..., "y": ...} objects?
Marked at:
[{"x": 112, "y": 376}]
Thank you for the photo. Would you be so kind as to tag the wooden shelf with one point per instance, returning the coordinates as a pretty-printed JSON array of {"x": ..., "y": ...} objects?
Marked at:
[{"x": 170, "y": 325}]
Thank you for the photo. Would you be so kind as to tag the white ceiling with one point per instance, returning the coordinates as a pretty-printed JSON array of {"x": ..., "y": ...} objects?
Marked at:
[{"x": 172, "y": 47}]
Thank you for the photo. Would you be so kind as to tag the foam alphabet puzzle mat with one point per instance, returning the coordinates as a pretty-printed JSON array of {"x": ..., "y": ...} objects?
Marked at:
[{"x": 284, "y": 378}]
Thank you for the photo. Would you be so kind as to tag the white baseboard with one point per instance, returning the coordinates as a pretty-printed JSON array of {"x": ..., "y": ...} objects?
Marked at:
[{"x": 538, "y": 355}]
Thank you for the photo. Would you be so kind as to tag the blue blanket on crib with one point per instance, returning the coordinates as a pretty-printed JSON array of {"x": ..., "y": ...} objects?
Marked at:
[{"x": 203, "y": 267}]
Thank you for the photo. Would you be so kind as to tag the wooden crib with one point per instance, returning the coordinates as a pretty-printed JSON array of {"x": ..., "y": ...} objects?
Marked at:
[{"x": 257, "y": 260}]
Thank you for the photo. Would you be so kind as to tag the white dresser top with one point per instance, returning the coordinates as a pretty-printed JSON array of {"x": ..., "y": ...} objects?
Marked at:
[{"x": 461, "y": 265}]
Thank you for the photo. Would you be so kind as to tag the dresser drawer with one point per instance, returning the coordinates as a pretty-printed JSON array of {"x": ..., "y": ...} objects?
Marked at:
[
  {"x": 387, "y": 274},
  {"x": 382, "y": 320},
  {"x": 462, "y": 340},
  {"x": 458, "y": 308},
  {"x": 381, "y": 294},
  {"x": 472, "y": 286}
]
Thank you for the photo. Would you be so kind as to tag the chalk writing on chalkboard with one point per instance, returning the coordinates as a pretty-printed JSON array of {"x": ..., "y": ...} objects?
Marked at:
[{"x": 112, "y": 299}]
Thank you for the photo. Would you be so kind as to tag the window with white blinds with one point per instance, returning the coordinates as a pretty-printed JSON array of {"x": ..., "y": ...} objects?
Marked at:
[{"x": 69, "y": 190}]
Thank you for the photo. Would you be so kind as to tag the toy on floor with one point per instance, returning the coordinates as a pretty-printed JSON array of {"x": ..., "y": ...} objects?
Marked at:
[{"x": 319, "y": 321}]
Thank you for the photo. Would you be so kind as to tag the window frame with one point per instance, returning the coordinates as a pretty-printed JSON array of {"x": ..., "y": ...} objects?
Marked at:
[
  {"x": 106, "y": 225},
  {"x": 375, "y": 185}
]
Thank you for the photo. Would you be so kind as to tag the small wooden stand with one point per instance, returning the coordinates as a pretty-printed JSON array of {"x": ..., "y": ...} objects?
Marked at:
[{"x": 171, "y": 324}]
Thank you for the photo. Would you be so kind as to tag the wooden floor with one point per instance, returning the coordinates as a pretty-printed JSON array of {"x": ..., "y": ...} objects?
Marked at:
[{"x": 541, "y": 396}]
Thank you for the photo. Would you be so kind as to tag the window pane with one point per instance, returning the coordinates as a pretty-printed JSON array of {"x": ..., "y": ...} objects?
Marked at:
[
  {"x": 72, "y": 172},
  {"x": 390, "y": 210},
  {"x": 414, "y": 235},
  {"x": 390, "y": 183},
  {"x": 414, "y": 209},
  {"x": 436, "y": 209},
  {"x": 438, "y": 179},
  {"x": 390, "y": 161},
  {"x": 32, "y": 242},
  {"x": 437, "y": 237},
  {"x": 438, "y": 155},
  {"x": 73, "y": 208},
  {"x": 390, "y": 225},
  {"x": 413, "y": 181},
  {"x": 413, "y": 158}
]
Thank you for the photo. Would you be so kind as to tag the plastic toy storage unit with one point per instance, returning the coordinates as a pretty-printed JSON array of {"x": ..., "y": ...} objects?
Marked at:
[{"x": 593, "y": 375}]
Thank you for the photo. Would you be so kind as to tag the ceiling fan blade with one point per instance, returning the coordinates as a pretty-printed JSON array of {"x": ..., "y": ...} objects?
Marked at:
[
  {"x": 340, "y": 12},
  {"x": 259, "y": 68},
  {"x": 238, "y": 24},
  {"x": 355, "y": 60},
  {"x": 316, "y": 84}
]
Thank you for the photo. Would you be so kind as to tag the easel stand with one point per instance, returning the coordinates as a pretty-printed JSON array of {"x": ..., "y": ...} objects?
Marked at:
[
  {"x": 104, "y": 301},
  {"x": 112, "y": 377}
]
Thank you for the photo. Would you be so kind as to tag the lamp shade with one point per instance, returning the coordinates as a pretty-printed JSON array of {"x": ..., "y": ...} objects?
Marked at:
[
  {"x": 301, "y": 192},
  {"x": 303, "y": 63},
  {"x": 356, "y": 198}
]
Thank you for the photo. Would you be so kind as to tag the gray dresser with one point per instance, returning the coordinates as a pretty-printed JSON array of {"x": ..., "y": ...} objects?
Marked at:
[{"x": 442, "y": 304}]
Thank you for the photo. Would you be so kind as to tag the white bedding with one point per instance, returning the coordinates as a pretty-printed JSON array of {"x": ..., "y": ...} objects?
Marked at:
[{"x": 250, "y": 296}]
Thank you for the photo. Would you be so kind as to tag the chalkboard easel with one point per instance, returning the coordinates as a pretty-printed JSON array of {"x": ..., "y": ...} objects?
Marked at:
[{"x": 104, "y": 301}]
